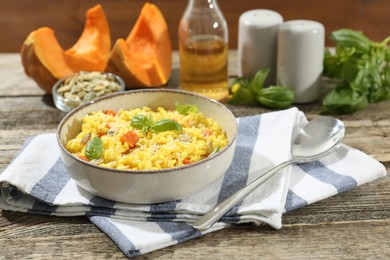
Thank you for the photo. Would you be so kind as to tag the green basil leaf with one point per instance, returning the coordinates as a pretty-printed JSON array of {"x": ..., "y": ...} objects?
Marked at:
[
  {"x": 359, "y": 83},
  {"x": 276, "y": 97},
  {"x": 374, "y": 81},
  {"x": 243, "y": 81},
  {"x": 142, "y": 122},
  {"x": 386, "y": 54},
  {"x": 165, "y": 125},
  {"x": 94, "y": 148},
  {"x": 362, "y": 66},
  {"x": 139, "y": 121},
  {"x": 332, "y": 65},
  {"x": 259, "y": 79},
  {"x": 344, "y": 100},
  {"x": 385, "y": 83},
  {"x": 186, "y": 109},
  {"x": 343, "y": 52},
  {"x": 243, "y": 95},
  {"x": 248, "y": 88},
  {"x": 386, "y": 78},
  {"x": 349, "y": 70},
  {"x": 352, "y": 38}
]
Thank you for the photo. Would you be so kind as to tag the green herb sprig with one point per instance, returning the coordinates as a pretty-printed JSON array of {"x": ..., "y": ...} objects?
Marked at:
[
  {"x": 362, "y": 68},
  {"x": 147, "y": 124},
  {"x": 251, "y": 91}
]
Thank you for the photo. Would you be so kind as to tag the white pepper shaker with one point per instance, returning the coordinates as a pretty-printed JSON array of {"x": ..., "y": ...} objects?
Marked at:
[
  {"x": 300, "y": 58},
  {"x": 257, "y": 43}
]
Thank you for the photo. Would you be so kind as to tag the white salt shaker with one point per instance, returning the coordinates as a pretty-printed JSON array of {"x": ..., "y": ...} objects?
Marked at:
[
  {"x": 257, "y": 43},
  {"x": 300, "y": 58}
]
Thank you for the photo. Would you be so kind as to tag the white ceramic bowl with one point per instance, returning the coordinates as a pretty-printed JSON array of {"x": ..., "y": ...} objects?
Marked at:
[{"x": 144, "y": 187}]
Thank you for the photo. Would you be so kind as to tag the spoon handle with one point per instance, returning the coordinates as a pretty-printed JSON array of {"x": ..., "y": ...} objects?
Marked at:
[{"x": 214, "y": 215}]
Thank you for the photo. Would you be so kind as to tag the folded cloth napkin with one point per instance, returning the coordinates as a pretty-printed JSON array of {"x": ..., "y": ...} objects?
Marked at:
[{"x": 36, "y": 182}]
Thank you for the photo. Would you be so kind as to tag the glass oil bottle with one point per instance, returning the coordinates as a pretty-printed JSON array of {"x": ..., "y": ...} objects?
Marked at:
[{"x": 203, "y": 49}]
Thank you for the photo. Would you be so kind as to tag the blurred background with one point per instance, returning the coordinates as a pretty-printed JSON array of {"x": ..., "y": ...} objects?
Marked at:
[{"x": 66, "y": 17}]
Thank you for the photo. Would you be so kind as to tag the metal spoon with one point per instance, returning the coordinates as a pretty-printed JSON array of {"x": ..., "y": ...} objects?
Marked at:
[{"x": 316, "y": 139}]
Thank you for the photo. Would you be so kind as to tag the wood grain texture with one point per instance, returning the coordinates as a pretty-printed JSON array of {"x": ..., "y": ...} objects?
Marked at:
[
  {"x": 66, "y": 17},
  {"x": 351, "y": 225}
]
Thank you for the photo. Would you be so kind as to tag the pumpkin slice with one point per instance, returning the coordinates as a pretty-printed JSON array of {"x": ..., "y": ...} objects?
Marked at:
[
  {"x": 43, "y": 58},
  {"x": 144, "y": 59},
  {"x": 92, "y": 49},
  {"x": 45, "y": 61}
]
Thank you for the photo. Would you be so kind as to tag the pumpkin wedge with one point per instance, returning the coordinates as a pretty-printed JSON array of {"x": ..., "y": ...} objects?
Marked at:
[
  {"x": 43, "y": 58},
  {"x": 144, "y": 59},
  {"x": 45, "y": 61},
  {"x": 92, "y": 49}
]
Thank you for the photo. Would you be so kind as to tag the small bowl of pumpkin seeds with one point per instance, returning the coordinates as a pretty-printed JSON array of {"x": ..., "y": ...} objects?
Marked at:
[{"x": 83, "y": 87}]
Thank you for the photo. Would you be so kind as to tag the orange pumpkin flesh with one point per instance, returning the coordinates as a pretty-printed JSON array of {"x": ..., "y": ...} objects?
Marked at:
[
  {"x": 45, "y": 60},
  {"x": 144, "y": 59},
  {"x": 121, "y": 64},
  {"x": 92, "y": 49}
]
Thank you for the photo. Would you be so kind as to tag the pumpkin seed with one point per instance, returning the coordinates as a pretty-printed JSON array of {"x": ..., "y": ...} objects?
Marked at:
[
  {"x": 85, "y": 86},
  {"x": 99, "y": 88},
  {"x": 64, "y": 88}
]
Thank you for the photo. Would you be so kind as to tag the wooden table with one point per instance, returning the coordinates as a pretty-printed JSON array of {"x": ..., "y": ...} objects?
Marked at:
[{"x": 354, "y": 224}]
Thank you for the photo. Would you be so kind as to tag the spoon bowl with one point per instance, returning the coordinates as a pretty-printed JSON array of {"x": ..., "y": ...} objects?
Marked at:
[{"x": 318, "y": 138}]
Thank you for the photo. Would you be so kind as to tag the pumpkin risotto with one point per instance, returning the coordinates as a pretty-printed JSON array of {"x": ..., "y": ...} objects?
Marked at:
[{"x": 146, "y": 139}]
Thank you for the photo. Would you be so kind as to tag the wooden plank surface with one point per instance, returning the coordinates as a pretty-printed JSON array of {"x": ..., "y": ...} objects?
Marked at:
[
  {"x": 351, "y": 225},
  {"x": 66, "y": 17}
]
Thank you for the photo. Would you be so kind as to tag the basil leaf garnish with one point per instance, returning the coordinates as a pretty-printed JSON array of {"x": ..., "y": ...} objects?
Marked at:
[
  {"x": 186, "y": 109},
  {"x": 142, "y": 122},
  {"x": 165, "y": 125},
  {"x": 147, "y": 124},
  {"x": 94, "y": 148},
  {"x": 277, "y": 97}
]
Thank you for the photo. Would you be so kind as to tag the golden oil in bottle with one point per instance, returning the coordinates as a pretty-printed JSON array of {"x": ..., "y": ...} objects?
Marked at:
[
  {"x": 203, "y": 66},
  {"x": 203, "y": 49}
]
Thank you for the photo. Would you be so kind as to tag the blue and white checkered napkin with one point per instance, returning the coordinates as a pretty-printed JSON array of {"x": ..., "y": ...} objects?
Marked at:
[{"x": 36, "y": 182}]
